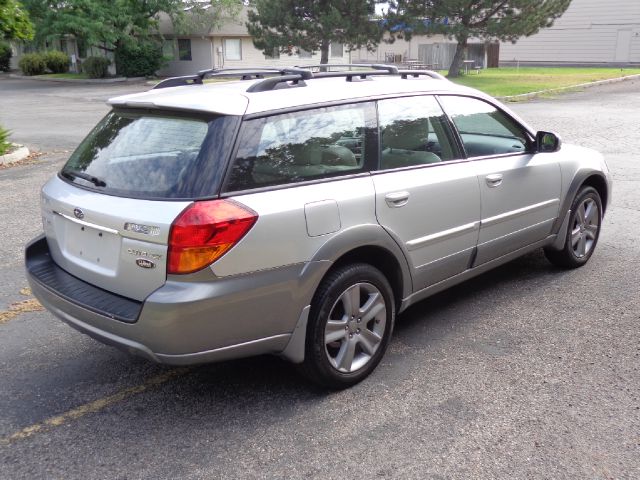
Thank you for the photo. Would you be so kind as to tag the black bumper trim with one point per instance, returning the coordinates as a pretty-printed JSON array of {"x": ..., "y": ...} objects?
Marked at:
[{"x": 42, "y": 269}]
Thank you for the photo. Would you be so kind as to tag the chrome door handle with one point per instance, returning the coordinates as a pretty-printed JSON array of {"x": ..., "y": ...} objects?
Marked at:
[
  {"x": 494, "y": 179},
  {"x": 397, "y": 199}
]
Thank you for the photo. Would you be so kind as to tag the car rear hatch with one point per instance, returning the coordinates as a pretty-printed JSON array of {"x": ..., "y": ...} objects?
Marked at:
[{"x": 107, "y": 216}]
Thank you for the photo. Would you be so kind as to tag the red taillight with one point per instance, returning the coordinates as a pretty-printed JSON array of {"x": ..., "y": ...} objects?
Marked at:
[{"x": 204, "y": 232}]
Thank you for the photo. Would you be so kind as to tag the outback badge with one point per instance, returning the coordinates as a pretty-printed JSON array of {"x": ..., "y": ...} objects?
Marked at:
[{"x": 144, "y": 263}]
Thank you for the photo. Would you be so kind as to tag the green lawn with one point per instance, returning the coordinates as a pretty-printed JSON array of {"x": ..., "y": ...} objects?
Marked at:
[
  {"x": 76, "y": 76},
  {"x": 501, "y": 82}
]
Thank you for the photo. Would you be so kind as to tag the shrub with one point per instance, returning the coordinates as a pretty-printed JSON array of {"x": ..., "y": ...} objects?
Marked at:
[
  {"x": 5, "y": 144},
  {"x": 5, "y": 56},
  {"x": 57, "y": 62},
  {"x": 96, "y": 67},
  {"x": 33, "y": 64},
  {"x": 141, "y": 60}
]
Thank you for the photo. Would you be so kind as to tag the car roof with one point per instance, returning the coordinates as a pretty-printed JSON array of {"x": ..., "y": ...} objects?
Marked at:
[{"x": 232, "y": 97}]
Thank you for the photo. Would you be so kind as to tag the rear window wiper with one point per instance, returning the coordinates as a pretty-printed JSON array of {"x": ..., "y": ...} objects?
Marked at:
[{"x": 70, "y": 174}]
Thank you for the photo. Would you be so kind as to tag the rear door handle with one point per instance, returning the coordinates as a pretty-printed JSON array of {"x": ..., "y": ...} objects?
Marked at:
[
  {"x": 397, "y": 199},
  {"x": 494, "y": 179}
]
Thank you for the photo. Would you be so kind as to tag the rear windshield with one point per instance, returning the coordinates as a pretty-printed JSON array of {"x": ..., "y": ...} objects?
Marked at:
[{"x": 155, "y": 156}]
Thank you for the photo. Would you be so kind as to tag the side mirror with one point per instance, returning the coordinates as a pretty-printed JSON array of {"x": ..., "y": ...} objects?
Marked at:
[{"x": 547, "y": 142}]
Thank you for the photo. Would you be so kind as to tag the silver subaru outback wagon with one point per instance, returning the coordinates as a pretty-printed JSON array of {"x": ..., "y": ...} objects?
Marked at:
[{"x": 296, "y": 212}]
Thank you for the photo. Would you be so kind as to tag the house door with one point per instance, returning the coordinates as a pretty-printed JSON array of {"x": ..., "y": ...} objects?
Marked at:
[{"x": 623, "y": 46}]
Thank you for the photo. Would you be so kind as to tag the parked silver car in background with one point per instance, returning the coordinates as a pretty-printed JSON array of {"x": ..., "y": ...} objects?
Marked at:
[{"x": 297, "y": 212}]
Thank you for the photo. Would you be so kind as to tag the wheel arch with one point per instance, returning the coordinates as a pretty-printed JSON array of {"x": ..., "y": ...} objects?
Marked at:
[
  {"x": 599, "y": 183},
  {"x": 381, "y": 259},
  {"x": 370, "y": 244},
  {"x": 592, "y": 178}
]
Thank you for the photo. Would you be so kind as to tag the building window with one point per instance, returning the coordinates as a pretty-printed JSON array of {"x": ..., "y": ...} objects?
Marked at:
[
  {"x": 184, "y": 49},
  {"x": 336, "y": 50},
  {"x": 168, "y": 49},
  {"x": 275, "y": 54},
  {"x": 232, "y": 49},
  {"x": 304, "y": 54}
]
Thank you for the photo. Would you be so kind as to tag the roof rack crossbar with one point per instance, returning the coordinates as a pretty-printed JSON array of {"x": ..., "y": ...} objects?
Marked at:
[
  {"x": 375, "y": 66},
  {"x": 247, "y": 73},
  {"x": 254, "y": 72},
  {"x": 272, "y": 82},
  {"x": 179, "y": 81}
]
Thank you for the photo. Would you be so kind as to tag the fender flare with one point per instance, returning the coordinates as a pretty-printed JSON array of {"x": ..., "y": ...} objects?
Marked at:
[{"x": 578, "y": 180}]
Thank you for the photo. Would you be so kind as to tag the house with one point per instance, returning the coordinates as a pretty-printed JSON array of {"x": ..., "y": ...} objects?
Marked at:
[
  {"x": 590, "y": 33},
  {"x": 434, "y": 52},
  {"x": 229, "y": 45}
]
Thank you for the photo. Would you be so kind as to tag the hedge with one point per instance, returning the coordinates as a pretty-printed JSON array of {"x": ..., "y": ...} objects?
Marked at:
[
  {"x": 33, "y": 64},
  {"x": 142, "y": 60},
  {"x": 96, "y": 67},
  {"x": 57, "y": 62}
]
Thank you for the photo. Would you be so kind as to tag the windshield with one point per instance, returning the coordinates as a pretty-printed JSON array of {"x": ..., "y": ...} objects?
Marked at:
[{"x": 148, "y": 155}]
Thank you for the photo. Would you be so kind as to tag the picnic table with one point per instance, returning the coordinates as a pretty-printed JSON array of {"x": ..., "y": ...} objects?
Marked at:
[
  {"x": 418, "y": 65},
  {"x": 466, "y": 65}
]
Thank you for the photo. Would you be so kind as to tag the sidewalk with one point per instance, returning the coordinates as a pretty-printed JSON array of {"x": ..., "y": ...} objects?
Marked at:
[{"x": 41, "y": 78}]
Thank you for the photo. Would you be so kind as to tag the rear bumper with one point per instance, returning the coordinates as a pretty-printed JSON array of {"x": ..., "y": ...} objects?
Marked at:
[{"x": 187, "y": 322}]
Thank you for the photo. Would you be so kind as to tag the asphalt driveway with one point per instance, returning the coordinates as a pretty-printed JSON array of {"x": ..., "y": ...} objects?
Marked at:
[{"x": 525, "y": 372}]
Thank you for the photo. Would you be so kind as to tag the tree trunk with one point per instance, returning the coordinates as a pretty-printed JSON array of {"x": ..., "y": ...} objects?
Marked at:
[
  {"x": 461, "y": 53},
  {"x": 324, "y": 51}
]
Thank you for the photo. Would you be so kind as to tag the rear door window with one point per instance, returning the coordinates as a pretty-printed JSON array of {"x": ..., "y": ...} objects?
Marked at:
[
  {"x": 484, "y": 129},
  {"x": 414, "y": 131},
  {"x": 142, "y": 155},
  {"x": 300, "y": 146}
]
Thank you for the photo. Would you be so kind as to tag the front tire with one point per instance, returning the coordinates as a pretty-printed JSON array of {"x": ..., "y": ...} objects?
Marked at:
[
  {"x": 350, "y": 324},
  {"x": 583, "y": 232}
]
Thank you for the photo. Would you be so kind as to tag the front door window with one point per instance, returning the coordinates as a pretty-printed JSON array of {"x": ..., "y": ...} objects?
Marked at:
[{"x": 484, "y": 129}]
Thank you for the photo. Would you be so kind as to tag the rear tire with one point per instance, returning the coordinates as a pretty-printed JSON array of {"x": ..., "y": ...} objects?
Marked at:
[
  {"x": 350, "y": 324},
  {"x": 583, "y": 232}
]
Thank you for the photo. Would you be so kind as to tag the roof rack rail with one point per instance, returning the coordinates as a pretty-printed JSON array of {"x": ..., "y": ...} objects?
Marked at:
[
  {"x": 420, "y": 73},
  {"x": 271, "y": 77},
  {"x": 247, "y": 73}
]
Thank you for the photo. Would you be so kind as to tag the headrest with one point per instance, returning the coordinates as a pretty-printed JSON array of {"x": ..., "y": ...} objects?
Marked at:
[{"x": 406, "y": 134}]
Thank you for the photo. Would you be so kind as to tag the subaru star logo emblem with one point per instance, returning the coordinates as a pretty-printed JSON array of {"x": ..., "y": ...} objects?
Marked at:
[{"x": 78, "y": 213}]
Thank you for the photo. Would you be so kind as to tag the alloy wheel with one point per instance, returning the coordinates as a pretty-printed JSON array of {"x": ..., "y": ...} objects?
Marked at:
[
  {"x": 585, "y": 227},
  {"x": 355, "y": 327}
]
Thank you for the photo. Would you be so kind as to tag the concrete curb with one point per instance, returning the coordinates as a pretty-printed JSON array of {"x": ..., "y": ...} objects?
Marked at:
[
  {"x": 79, "y": 80},
  {"x": 20, "y": 153},
  {"x": 531, "y": 95}
]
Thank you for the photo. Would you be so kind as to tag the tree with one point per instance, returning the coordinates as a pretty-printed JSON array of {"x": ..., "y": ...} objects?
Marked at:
[
  {"x": 202, "y": 17},
  {"x": 505, "y": 20},
  {"x": 105, "y": 24},
  {"x": 289, "y": 25},
  {"x": 14, "y": 21},
  {"x": 113, "y": 25}
]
